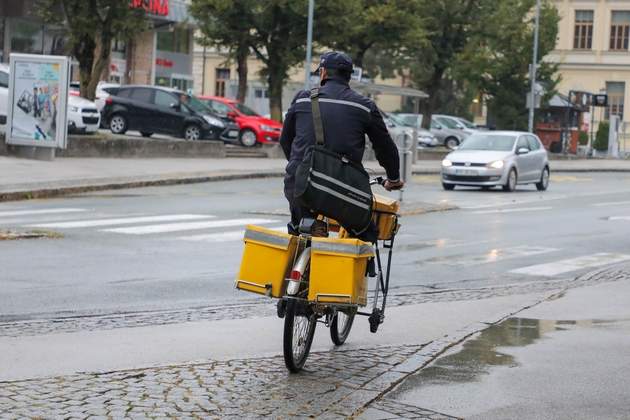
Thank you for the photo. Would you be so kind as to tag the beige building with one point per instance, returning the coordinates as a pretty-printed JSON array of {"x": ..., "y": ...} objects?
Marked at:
[
  {"x": 592, "y": 51},
  {"x": 215, "y": 76}
]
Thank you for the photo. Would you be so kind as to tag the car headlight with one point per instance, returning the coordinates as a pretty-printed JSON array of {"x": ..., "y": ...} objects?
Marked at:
[
  {"x": 447, "y": 163},
  {"x": 214, "y": 121},
  {"x": 264, "y": 127},
  {"x": 73, "y": 108},
  {"x": 497, "y": 164}
]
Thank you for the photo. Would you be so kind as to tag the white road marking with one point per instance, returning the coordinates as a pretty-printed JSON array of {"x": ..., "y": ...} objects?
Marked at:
[
  {"x": 175, "y": 227},
  {"x": 571, "y": 264},
  {"x": 230, "y": 236},
  {"x": 492, "y": 256},
  {"x": 611, "y": 203},
  {"x": 619, "y": 218},
  {"x": 122, "y": 221},
  {"x": 37, "y": 212},
  {"x": 522, "y": 209}
]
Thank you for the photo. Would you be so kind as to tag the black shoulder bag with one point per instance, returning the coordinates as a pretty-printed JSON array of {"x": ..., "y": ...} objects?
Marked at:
[{"x": 331, "y": 184}]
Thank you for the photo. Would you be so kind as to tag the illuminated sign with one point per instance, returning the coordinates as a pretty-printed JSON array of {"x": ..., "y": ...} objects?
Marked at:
[
  {"x": 155, "y": 7},
  {"x": 163, "y": 62}
]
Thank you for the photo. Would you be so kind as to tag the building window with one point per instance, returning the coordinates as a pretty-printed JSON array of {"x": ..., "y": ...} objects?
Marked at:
[
  {"x": 619, "y": 30},
  {"x": 222, "y": 79},
  {"x": 615, "y": 91},
  {"x": 26, "y": 37},
  {"x": 583, "y": 38},
  {"x": 177, "y": 40},
  {"x": 119, "y": 46},
  {"x": 261, "y": 93}
]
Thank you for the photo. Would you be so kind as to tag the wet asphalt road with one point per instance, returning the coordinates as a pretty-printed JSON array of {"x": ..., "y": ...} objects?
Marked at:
[
  {"x": 493, "y": 239},
  {"x": 563, "y": 359}
]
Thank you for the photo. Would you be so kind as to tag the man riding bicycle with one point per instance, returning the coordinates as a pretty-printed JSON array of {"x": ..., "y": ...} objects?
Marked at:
[{"x": 347, "y": 114}]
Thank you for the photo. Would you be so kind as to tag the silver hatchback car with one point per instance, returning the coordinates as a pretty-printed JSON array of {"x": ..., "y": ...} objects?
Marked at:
[{"x": 491, "y": 158}]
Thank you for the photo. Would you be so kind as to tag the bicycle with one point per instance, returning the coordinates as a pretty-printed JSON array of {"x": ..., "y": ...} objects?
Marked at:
[{"x": 302, "y": 313}]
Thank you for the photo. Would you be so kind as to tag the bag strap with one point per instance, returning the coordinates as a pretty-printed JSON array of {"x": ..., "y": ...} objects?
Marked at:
[{"x": 317, "y": 117}]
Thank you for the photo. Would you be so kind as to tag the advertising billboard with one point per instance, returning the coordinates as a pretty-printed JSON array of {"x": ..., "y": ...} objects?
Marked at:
[{"x": 38, "y": 96}]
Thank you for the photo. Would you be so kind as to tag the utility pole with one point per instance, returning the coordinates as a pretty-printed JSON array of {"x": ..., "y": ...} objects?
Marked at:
[
  {"x": 532, "y": 70},
  {"x": 309, "y": 45}
]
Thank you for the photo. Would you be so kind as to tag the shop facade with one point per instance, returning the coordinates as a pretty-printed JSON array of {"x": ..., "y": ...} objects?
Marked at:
[{"x": 162, "y": 55}]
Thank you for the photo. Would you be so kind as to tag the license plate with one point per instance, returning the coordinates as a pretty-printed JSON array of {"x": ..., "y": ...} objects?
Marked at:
[
  {"x": 468, "y": 172},
  {"x": 233, "y": 133}
]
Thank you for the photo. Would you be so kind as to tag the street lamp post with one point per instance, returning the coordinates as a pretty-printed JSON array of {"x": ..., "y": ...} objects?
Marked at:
[
  {"x": 309, "y": 45},
  {"x": 532, "y": 70}
]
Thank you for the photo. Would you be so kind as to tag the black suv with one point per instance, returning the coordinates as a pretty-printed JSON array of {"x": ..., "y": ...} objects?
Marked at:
[{"x": 154, "y": 109}]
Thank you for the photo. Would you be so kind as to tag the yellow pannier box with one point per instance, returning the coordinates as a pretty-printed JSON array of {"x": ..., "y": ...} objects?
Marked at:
[
  {"x": 384, "y": 216},
  {"x": 266, "y": 261},
  {"x": 338, "y": 271}
]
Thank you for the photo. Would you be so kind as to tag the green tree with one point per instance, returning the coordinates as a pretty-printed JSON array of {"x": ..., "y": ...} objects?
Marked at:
[
  {"x": 227, "y": 24},
  {"x": 91, "y": 26},
  {"x": 449, "y": 25},
  {"x": 497, "y": 57},
  {"x": 601, "y": 138},
  {"x": 374, "y": 33},
  {"x": 276, "y": 33}
]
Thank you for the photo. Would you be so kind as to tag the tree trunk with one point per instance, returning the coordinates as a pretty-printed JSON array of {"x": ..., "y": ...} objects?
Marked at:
[
  {"x": 103, "y": 52},
  {"x": 241, "y": 60},
  {"x": 428, "y": 105},
  {"x": 276, "y": 81},
  {"x": 84, "y": 53}
]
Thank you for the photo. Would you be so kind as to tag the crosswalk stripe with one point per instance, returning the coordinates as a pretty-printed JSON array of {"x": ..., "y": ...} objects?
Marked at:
[
  {"x": 175, "y": 227},
  {"x": 37, "y": 212},
  {"x": 232, "y": 235},
  {"x": 492, "y": 256},
  {"x": 611, "y": 203},
  {"x": 122, "y": 221},
  {"x": 571, "y": 264},
  {"x": 499, "y": 211}
]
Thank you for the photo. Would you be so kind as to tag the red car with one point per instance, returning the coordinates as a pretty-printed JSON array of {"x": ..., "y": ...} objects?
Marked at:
[{"x": 254, "y": 128}]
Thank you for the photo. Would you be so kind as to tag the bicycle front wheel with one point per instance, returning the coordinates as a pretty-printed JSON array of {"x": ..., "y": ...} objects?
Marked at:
[
  {"x": 299, "y": 330},
  {"x": 340, "y": 326}
]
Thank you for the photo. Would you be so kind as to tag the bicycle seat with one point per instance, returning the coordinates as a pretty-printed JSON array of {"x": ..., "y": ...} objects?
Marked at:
[
  {"x": 306, "y": 225},
  {"x": 313, "y": 227}
]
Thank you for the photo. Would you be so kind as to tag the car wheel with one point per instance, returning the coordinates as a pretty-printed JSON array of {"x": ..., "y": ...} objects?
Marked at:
[
  {"x": 510, "y": 184},
  {"x": 543, "y": 184},
  {"x": 145, "y": 134},
  {"x": 192, "y": 132},
  {"x": 451, "y": 143},
  {"x": 448, "y": 187},
  {"x": 248, "y": 138},
  {"x": 118, "y": 124}
]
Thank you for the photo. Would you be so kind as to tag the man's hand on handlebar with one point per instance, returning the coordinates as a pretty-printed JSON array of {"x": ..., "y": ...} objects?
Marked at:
[{"x": 393, "y": 185}]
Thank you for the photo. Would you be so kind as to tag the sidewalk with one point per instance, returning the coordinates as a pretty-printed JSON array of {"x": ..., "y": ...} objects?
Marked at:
[
  {"x": 22, "y": 178},
  {"x": 565, "y": 358}
]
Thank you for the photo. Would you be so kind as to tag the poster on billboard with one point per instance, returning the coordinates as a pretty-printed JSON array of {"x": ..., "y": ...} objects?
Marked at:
[{"x": 38, "y": 96}]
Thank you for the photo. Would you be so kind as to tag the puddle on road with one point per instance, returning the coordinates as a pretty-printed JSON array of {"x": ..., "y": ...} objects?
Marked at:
[{"x": 466, "y": 377}]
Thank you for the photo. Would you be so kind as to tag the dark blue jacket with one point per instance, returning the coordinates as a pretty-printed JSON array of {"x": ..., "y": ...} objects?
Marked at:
[{"x": 347, "y": 117}]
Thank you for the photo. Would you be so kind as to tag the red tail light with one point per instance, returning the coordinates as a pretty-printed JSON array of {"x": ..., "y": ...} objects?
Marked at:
[
  {"x": 109, "y": 101},
  {"x": 295, "y": 275}
]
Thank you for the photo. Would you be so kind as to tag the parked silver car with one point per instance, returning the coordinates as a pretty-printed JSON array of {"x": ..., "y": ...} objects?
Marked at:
[
  {"x": 492, "y": 158},
  {"x": 425, "y": 137},
  {"x": 456, "y": 123},
  {"x": 446, "y": 136}
]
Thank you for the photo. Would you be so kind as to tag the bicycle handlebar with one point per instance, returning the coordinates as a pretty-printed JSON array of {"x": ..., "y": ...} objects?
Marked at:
[{"x": 378, "y": 180}]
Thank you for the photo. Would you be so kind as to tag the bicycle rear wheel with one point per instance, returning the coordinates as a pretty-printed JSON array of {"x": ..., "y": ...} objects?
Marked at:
[
  {"x": 299, "y": 329},
  {"x": 341, "y": 325}
]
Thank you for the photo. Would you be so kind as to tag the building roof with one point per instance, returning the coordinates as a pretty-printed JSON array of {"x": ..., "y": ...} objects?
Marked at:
[{"x": 376, "y": 89}]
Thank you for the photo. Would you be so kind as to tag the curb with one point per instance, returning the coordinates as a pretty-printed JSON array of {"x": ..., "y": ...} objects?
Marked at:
[
  {"x": 61, "y": 191},
  {"x": 40, "y": 193}
]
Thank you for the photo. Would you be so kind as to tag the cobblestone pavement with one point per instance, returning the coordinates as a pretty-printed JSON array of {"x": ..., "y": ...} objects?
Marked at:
[
  {"x": 336, "y": 385},
  {"x": 262, "y": 307}
]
